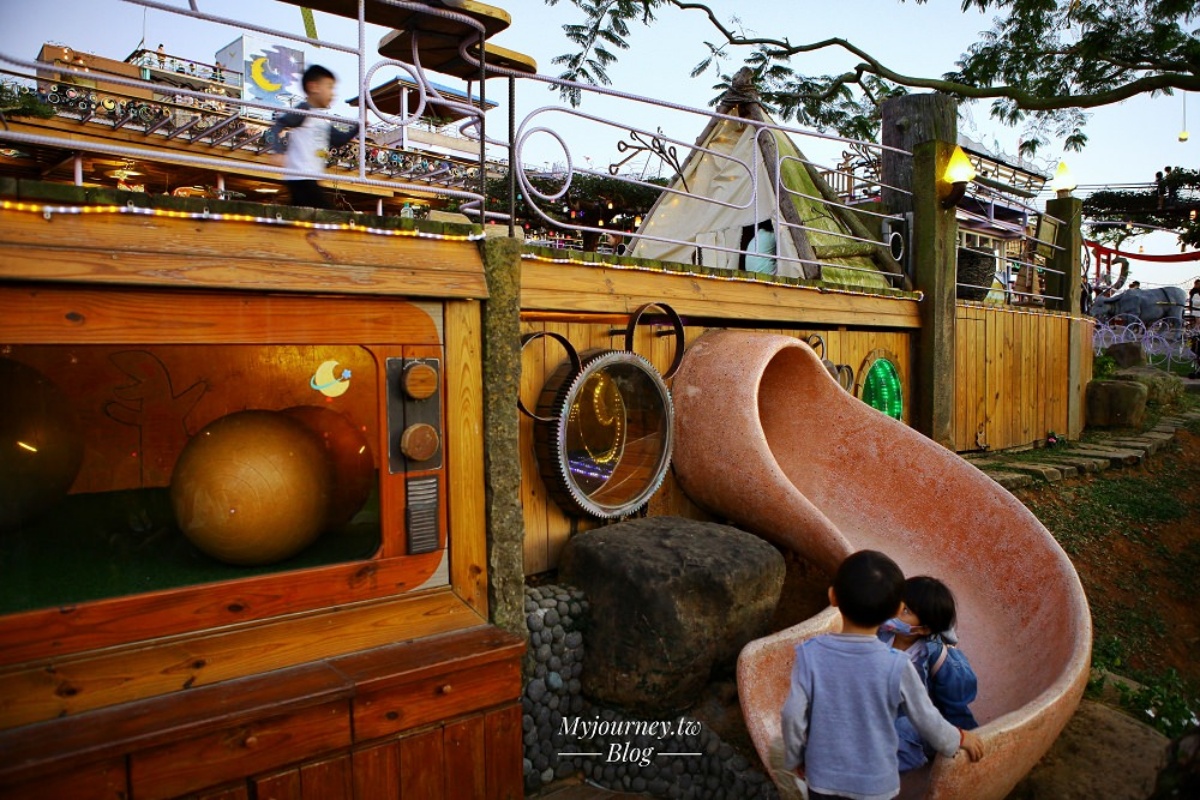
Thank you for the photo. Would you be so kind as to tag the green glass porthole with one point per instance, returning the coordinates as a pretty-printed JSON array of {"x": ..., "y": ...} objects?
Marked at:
[{"x": 882, "y": 388}]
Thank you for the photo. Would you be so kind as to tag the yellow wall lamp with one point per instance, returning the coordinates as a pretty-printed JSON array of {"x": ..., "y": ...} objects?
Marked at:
[{"x": 959, "y": 172}]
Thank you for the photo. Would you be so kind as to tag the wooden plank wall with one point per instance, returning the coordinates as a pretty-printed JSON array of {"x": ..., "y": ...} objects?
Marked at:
[
  {"x": 547, "y": 528},
  {"x": 1012, "y": 382}
]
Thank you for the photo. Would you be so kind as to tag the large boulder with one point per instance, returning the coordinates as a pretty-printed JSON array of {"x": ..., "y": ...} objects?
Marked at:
[
  {"x": 1163, "y": 387},
  {"x": 672, "y": 601},
  {"x": 1102, "y": 752},
  {"x": 1116, "y": 404}
]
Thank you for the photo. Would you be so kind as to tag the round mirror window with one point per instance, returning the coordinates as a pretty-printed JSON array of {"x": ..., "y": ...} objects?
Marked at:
[{"x": 608, "y": 445}]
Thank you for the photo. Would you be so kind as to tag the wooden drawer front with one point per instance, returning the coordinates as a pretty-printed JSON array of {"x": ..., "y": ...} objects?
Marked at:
[
  {"x": 103, "y": 781},
  {"x": 193, "y": 764},
  {"x": 403, "y": 706}
]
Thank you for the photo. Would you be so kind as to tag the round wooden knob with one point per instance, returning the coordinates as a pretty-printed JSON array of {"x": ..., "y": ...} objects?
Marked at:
[
  {"x": 250, "y": 741},
  {"x": 419, "y": 442},
  {"x": 446, "y": 689},
  {"x": 420, "y": 381}
]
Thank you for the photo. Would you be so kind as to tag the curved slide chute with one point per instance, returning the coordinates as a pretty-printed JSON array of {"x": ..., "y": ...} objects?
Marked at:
[{"x": 767, "y": 439}]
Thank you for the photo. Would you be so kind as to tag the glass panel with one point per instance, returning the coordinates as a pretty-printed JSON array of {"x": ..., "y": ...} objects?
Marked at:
[
  {"x": 617, "y": 434},
  {"x": 132, "y": 469}
]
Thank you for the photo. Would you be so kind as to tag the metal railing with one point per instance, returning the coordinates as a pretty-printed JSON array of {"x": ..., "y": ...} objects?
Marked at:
[{"x": 767, "y": 171}]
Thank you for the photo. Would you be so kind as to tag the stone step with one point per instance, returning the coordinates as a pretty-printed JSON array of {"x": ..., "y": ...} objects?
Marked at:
[
  {"x": 1116, "y": 456},
  {"x": 1147, "y": 446},
  {"x": 1010, "y": 480},
  {"x": 1045, "y": 472},
  {"x": 1081, "y": 463}
]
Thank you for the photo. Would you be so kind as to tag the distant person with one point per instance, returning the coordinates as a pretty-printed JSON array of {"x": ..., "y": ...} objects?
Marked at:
[
  {"x": 848, "y": 688},
  {"x": 162, "y": 57},
  {"x": 1135, "y": 285},
  {"x": 924, "y": 631},
  {"x": 1160, "y": 189},
  {"x": 1192, "y": 294},
  {"x": 1172, "y": 186},
  {"x": 309, "y": 139}
]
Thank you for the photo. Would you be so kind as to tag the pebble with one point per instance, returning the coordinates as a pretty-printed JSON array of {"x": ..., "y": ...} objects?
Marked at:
[{"x": 556, "y": 617}]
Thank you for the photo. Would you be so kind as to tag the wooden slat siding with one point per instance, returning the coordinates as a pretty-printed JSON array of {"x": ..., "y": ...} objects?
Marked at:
[
  {"x": 464, "y": 746},
  {"x": 377, "y": 772},
  {"x": 504, "y": 753},
  {"x": 592, "y": 289},
  {"x": 136, "y": 316},
  {"x": 1013, "y": 369},
  {"x": 47, "y": 690},
  {"x": 463, "y": 436},
  {"x": 232, "y": 793},
  {"x": 533, "y": 489},
  {"x": 422, "y": 766},
  {"x": 283, "y": 785},
  {"x": 159, "y": 251},
  {"x": 327, "y": 780}
]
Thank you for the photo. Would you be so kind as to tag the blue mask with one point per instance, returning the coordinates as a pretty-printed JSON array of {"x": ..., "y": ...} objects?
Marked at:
[{"x": 895, "y": 625}]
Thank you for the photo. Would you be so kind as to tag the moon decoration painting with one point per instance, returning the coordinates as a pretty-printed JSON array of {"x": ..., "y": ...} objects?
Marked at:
[{"x": 330, "y": 381}]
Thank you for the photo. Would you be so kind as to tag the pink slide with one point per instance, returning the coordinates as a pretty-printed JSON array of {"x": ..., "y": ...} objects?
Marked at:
[{"x": 767, "y": 439}]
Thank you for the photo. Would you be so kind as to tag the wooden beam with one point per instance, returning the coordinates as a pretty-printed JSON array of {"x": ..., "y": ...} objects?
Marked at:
[
  {"x": 599, "y": 289},
  {"x": 162, "y": 251}
]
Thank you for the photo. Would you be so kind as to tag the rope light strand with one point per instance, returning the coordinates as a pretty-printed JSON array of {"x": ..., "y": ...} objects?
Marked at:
[{"x": 49, "y": 211}]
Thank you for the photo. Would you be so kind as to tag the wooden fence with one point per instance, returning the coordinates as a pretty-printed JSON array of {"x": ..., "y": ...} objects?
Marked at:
[{"x": 1012, "y": 381}]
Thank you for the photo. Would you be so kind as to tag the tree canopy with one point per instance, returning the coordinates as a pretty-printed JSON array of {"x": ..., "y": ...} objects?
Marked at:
[{"x": 1041, "y": 64}]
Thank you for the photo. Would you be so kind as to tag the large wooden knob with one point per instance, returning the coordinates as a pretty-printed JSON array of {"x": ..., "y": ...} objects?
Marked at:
[
  {"x": 419, "y": 442},
  {"x": 420, "y": 381}
]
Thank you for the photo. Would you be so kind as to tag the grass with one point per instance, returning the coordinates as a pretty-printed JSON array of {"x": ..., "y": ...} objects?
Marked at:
[{"x": 1108, "y": 523}]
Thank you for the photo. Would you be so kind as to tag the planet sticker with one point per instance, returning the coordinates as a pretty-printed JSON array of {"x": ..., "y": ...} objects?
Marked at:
[{"x": 327, "y": 383}]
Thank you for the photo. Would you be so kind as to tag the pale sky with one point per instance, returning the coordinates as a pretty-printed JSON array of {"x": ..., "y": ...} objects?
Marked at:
[{"x": 1129, "y": 142}]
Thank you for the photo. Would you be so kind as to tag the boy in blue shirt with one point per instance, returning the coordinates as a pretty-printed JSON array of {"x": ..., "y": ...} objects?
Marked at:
[{"x": 848, "y": 688}]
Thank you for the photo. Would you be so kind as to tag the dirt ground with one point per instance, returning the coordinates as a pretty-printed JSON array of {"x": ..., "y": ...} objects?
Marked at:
[{"x": 1134, "y": 537}]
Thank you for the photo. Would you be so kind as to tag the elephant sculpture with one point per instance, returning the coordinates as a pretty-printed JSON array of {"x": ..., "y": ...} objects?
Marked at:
[{"x": 1148, "y": 305}]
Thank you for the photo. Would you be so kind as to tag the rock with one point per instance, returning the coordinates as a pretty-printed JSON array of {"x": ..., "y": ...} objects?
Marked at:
[
  {"x": 1164, "y": 388},
  {"x": 672, "y": 599},
  {"x": 1181, "y": 778},
  {"x": 1102, "y": 752},
  {"x": 1116, "y": 404},
  {"x": 1126, "y": 354}
]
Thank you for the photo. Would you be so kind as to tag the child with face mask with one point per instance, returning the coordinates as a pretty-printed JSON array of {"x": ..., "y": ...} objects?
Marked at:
[{"x": 924, "y": 631}]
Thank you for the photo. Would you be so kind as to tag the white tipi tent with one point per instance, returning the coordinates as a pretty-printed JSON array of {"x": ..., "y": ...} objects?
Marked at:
[{"x": 728, "y": 208}]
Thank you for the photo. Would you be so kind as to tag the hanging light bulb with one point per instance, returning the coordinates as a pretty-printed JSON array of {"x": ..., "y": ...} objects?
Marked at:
[{"x": 1183, "y": 134}]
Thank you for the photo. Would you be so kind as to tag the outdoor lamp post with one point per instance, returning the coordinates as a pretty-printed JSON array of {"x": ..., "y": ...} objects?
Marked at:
[
  {"x": 1063, "y": 182},
  {"x": 959, "y": 172}
]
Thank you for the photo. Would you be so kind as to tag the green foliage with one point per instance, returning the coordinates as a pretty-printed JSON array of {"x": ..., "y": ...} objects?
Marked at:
[
  {"x": 1115, "y": 216},
  {"x": 1041, "y": 64},
  {"x": 590, "y": 194},
  {"x": 18, "y": 101},
  {"x": 1163, "y": 704},
  {"x": 1104, "y": 367}
]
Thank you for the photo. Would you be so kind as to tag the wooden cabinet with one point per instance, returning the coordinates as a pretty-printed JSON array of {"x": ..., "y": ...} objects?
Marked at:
[{"x": 437, "y": 718}]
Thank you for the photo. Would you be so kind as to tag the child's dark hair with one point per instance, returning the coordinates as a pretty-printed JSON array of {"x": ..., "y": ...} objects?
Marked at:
[
  {"x": 315, "y": 73},
  {"x": 932, "y": 602},
  {"x": 869, "y": 587}
]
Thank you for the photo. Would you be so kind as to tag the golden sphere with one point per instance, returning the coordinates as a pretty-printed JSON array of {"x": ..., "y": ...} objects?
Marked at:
[{"x": 252, "y": 488}]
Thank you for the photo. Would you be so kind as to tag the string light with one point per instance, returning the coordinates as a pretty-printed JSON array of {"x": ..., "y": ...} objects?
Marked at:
[{"x": 49, "y": 211}]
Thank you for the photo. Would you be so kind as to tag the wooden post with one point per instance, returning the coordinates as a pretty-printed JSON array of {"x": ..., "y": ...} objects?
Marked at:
[
  {"x": 1069, "y": 286},
  {"x": 926, "y": 124}
]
